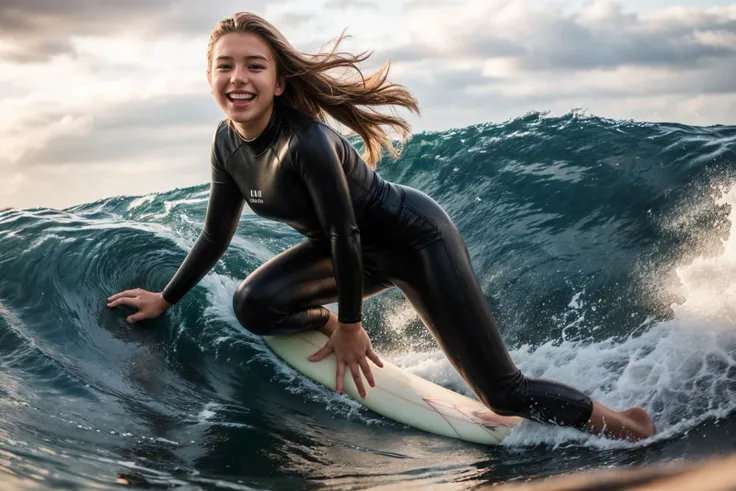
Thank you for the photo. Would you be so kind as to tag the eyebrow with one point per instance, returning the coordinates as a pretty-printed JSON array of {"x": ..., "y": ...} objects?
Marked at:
[{"x": 256, "y": 57}]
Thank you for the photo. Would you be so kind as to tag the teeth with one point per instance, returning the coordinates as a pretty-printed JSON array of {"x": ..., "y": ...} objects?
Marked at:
[{"x": 242, "y": 97}]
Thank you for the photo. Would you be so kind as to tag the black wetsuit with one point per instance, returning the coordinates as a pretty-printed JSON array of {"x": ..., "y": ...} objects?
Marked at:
[{"x": 365, "y": 235}]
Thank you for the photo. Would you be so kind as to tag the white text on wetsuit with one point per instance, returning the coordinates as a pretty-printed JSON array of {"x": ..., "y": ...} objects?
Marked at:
[{"x": 256, "y": 196}]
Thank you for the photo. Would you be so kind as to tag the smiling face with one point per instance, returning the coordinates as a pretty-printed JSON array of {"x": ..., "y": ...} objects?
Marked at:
[{"x": 244, "y": 81}]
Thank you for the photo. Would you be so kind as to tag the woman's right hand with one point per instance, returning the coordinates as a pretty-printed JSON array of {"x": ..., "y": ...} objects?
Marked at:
[{"x": 149, "y": 304}]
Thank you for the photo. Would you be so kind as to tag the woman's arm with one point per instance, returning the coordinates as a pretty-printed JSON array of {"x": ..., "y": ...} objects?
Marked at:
[
  {"x": 221, "y": 221},
  {"x": 320, "y": 166}
]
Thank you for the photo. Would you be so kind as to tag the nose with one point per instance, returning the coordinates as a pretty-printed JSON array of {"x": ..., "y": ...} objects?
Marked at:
[{"x": 239, "y": 75}]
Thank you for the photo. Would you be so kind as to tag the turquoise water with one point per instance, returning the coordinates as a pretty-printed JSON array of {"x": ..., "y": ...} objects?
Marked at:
[{"x": 604, "y": 247}]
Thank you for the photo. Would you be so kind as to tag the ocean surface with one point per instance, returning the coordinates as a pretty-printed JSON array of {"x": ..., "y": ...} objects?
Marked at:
[{"x": 607, "y": 250}]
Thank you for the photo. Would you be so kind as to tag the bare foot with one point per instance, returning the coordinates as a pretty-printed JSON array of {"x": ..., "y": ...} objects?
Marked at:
[
  {"x": 642, "y": 419},
  {"x": 330, "y": 326},
  {"x": 632, "y": 424}
]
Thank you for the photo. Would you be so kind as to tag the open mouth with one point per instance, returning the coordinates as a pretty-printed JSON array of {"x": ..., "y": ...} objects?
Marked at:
[{"x": 240, "y": 97}]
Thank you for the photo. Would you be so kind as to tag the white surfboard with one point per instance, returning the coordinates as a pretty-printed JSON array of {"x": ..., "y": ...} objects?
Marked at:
[{"x": 398, "y": 394}]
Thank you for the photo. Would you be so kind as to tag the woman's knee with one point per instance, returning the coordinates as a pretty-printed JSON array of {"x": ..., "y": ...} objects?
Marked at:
[{"x": 254, "y": 310}]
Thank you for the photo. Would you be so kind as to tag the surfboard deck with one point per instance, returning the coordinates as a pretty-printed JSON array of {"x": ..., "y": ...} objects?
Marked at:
[{"x": 399, "y": 394}]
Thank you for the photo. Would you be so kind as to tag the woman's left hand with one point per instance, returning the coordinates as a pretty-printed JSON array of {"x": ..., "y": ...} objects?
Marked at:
[{"x": 352, "y": 348}]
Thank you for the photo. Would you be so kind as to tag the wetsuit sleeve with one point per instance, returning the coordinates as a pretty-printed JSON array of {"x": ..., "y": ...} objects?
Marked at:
[
  {"x": 220, "y": 223},
  {"x": 321, "y": 168}
]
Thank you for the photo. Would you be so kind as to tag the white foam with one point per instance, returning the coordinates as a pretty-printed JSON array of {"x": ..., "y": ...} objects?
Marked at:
[
  {"x": 208, "y": 412},
  {"x": 678, "y": 369},
  {"x": 138, "y": 202},
  {"x": 708, "y": 284},
  {"x": 44, "y": 238}
]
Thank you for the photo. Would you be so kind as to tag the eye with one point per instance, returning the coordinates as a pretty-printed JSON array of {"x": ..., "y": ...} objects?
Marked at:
[
  {"x": 223, "y": 66},
  {"x": 257, "y": 67}
]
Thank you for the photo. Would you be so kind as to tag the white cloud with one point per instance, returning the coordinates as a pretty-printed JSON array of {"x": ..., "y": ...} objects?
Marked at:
[
  {"x": 37, "y": 30},
  {"x": 86, "y": 99},
  {"x": 541, "y": 37},
  {"x": 66, "y": 95},
  {"x": 675, "y": 64},
  {"x": 346, "y": 4}
]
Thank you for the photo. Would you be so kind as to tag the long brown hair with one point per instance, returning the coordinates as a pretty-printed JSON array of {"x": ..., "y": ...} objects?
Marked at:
[{"x": 311, "y": 90}]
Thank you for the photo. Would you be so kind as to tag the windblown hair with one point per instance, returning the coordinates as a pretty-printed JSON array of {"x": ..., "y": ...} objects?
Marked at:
[{"x": 310, "y": 89}]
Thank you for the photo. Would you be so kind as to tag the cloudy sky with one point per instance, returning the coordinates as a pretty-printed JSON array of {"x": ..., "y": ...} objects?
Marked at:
[{"x": 108, "y": 97}]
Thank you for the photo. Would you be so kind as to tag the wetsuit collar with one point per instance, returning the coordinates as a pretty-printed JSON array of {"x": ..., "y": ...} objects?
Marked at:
[{"x": 260, "y": 143}]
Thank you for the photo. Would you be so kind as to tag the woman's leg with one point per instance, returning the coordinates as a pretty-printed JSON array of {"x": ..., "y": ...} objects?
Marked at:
[
  {"x": 440, "y": 283},
  {"x": 285, "y": 294}
]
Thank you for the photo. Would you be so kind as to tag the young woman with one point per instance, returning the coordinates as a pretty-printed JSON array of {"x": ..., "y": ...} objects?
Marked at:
[{"x": 364, "y": 234}]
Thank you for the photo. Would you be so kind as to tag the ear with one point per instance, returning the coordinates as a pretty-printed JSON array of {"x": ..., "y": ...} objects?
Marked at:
[
  {"x": 280, "y": 86},
  {"x": 209, "y": 78}
]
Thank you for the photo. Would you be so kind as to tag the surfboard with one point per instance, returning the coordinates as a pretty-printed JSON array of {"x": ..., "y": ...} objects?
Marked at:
[{"x": 399, "y": 395}]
